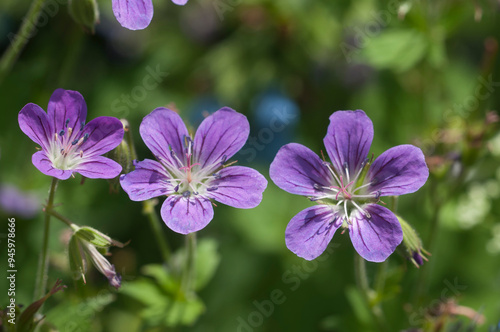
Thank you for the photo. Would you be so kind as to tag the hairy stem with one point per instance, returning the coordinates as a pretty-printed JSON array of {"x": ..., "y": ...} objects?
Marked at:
[
  {"x": 367, "y": 292},
  {"x": 41, "y": 277},
  {"x": 155, "y": 223},
  {"x": 189, "y": 269}
]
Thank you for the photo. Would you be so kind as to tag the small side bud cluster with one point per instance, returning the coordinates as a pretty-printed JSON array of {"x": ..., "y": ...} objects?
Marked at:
[
  {"x": 84, "y": 12},
  {"x": 413, "y": 244},
  {"x": 86, "y": 244}
]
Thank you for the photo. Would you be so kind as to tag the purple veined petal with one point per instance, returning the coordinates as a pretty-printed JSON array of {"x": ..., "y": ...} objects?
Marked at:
[
  {"x": 238, "y": 186},
  {"x": 133, "y": 14},
  {"x": 297, "y": 170},
  {"x": 348, "y": 140},
  {"x": 180, "y": 2},
  {"x": 66, "y": 106},
  {"x": 44, "y": 165},
  {"x": 34, "y": 123},
  {"x": 398, "y": 171},
  {"x": 98, "y": 167},
  {"x": 311, "y": 230},
  {"x": 104, "y": 134},
  {"x": 186, "y": 215},
  {"x": 163, "y": 132},
  {"x": 148, "y": 180},
  {"x": 377, "y": 237},
  {"x": 220, "y": 136}
]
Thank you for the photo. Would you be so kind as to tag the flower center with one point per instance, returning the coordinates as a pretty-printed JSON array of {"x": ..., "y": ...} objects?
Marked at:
[
  {"x": 64, "y": 150},
  {"x": 350, "y": 193},
  {"x": 190, "y": 178}
]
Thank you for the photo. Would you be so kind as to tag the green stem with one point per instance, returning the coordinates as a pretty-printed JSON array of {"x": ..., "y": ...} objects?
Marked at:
[
  {"x": 155, "y": 223},
  {"x": 21, "y": 38},
  {"x": 60, "y": 217},
  {"x": 420, "y": 289},
  {"x": 367, "y": 292},
  {"x": 189, "y": 270},
  {"x": 41, "y": 277}
]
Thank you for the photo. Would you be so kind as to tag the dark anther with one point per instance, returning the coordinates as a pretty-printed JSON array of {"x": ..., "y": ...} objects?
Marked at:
[
  {"x": 176, "y": 189},
  {"x": 186, "y": 194},
  {"x": 85, "y": 137},
  {"x": 66, "y": 124},
  {"x": 74, "y": 142},
  {"x": 223, "y": 160},
  {"x": 316, "y": 186},
  {"x": 212, "y": 188},
  {"x": 61, "y": 133},
  {"x": 377, "y": 194},
  {"x": 217, "y": 176},
  {"x": 82, "y": 125}
]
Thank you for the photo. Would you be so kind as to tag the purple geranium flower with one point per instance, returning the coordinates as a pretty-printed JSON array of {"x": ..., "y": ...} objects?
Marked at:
[
  {"x": 68, "y": 145},
  {"x": 347, "y": 189},
  {"x": 192, "y": 172},
  {"x": 136, "y": 14}
]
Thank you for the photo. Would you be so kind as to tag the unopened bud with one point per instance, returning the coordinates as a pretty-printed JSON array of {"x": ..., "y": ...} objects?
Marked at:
[
  {"x": 90, "y": 244},
  {"x": 124, "y": 154},
  {"x": 84, "y": 12},
  {"x": 413, "y": 245}
]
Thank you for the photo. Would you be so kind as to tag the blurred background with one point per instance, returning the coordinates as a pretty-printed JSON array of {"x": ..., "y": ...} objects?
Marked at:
[{"x": 424, "y": 71}]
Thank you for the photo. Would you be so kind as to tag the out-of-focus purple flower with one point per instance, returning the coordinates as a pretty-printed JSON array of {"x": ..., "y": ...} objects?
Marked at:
[
  {"x": 136, "y": 14},
  {"x": 68, "y": 145},
  {"x": 347, "y": 189},
  {"x": 192, "y": 172},
  {"x": 15, "y": 202}
]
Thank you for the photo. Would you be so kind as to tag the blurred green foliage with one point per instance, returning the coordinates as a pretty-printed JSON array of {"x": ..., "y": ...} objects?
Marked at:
[{"x": 423, "y": 71}]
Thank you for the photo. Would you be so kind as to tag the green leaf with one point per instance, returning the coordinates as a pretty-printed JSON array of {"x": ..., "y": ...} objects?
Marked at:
[
  {"x": 144, "y": 291},
  {"x": 207, "y": 261},
  {"x": 79, "y": 316},
  {"x": 161, "y": 308},
  {"x": 184, "y": 312},
  {"x": 163, "y": 277},
  {"x": 398, "y": 50}
]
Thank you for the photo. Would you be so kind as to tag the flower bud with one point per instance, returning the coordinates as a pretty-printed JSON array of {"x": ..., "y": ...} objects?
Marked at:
[
  {"x": 84, "y": 12},
  {"x": 86, "y": 244},
  {"x": 413, "y": 245},
  {"x": 124, "y": 154}
]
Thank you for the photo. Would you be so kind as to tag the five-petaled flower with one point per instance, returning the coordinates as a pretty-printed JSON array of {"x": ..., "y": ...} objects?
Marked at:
[
  {"x": 68, "y": 145},
  {"x": 191, "y": 172},
  {"x": 136, "y": 14},
  {"x": 347, "y": 189}
]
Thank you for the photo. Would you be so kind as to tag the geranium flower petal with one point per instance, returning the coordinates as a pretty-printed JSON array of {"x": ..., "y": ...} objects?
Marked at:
[
  {"x": 238, "y": 186},
  {"x": 44, "y": 165},
  {"x": 104, "y": 134},
  {"x": 164, "y": 132},
  {"x": 180, "y": 2},
  {"x": 66, "y": 109},
  {"x": 186, "y": 214},
  {"x": 398, "y": 171},
  {"x": 34, "y": 123},
  {"x": 220, "y": 136},
  {"x": 348, "y": 139},
  {"x": 377, "y": 237},
  {"x": 297, "y": 169},
  {"x": 133, "y": 14},
  {"x": 148, "y": 180},
  {"x": 311, "y": 230},
  {"x": 98, "y": 167}
]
